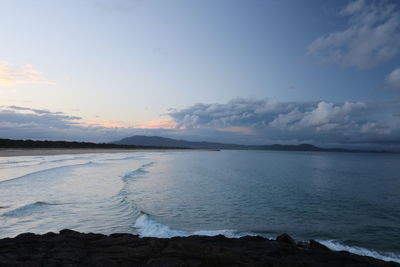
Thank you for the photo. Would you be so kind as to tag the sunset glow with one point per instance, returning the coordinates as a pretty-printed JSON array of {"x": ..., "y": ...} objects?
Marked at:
[
  {"x": 260, "y": 72},
  {"x": 158, "y": 124},
  {"x": 12, "y": 75}
]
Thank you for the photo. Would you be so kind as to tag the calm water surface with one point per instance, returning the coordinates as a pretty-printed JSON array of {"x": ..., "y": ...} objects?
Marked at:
[{"x": 347, "y": 201}]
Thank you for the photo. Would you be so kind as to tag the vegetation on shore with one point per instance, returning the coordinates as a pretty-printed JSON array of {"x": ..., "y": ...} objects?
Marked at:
[
  {"x": 169, "y": 142},
  {"x": 10, "y": 143},
  {"x": 157, "y": 142}
]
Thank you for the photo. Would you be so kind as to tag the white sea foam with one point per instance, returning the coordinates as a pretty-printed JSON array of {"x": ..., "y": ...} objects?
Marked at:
[
  {"x": 148, "y": 227},
  {"x": 137, "y": 171},
  {"x": 133, "y": 172},
  {"x": 51, "y": 169},
  {"x": 124, "y": 158},
  {"x": 334, "y": 245}
]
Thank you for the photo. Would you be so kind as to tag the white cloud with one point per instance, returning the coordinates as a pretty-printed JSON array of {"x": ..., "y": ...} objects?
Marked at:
[
  {"x": 327, "y": 113},
  {"x": 283, "y": 121},
  {"x": 393, "y": 79},
  {"x": 354, "y": 7},
  {"x": 28, "y": 123},
  {"x": 371, "y": 37},
  {"x": 372, "y": 124},
  {"x": 13, "y": 75},
  {"x": 241, "y": 111},
  {"x": 317, "y": 122},
  {"x": 325, "y": 116}
]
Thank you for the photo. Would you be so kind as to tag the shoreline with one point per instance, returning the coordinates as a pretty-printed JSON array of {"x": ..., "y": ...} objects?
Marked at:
[
  {"x": 15, "y": 152},
  {"x": 88, "y": 249}
]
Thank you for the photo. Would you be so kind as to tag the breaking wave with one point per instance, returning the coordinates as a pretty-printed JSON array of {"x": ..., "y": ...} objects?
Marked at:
[
  {"x": 334, "y": 245},
  {"x": 122, "y": 201},
  {"x": 147, "y": 227},
  {"x": 15, "y": 161},
  {"x": 18, "y": 164},
  {"x": 48, "y": 170},
  {"x": 125, "y": 158},
  {"x": 138, "y": 170},
  {"x": 70, "y": 158}
]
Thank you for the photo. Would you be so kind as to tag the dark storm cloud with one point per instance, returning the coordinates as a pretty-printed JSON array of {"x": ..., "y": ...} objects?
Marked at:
[
  {"x": 244, "y": 121},
  {"x": 290, "y": 122}
]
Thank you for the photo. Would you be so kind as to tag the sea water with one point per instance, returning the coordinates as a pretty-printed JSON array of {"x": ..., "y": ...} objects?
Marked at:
[{"x": 347, "y": 201}]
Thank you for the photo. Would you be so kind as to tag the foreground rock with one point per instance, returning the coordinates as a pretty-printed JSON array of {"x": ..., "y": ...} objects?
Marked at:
[{"x": 69, "y": 248}]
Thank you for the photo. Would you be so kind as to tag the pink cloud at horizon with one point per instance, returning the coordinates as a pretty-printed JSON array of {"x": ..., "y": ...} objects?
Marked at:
[{"x": 158, "y": 124}]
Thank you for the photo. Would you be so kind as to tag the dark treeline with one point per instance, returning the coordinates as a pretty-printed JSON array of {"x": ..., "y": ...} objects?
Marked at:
[
  {"x": 143, "y": 140},
  {"x": 9, "y": 143}
]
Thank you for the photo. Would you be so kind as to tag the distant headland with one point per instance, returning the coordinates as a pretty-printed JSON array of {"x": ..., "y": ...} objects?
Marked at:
[
  {"x": 169, "y": 142},
  {"x": 158, "y": 142}
]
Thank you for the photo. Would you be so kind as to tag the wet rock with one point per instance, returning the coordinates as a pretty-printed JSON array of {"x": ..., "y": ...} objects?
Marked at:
[
  {"x": 254, "y": 238},
  {"x": 285, "y": 238},
  {"x": 70, "y": 248},
  {"x": 303, "y": 244},
  {"x": 49, "y": 235},
  {"x": 26, "y": 237},
  {"x": 69, "y": 233},
  {"x": 318, "y": 246}
]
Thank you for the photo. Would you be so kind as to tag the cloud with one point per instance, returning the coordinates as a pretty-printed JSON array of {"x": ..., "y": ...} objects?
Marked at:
[
  {"x": 245, "y": 121},
  {"x": 237, "y": 112},
  {"x": 45, "y": 118},
  {"x": 237, "y": 129},
  {"x": 104, "y": 123},
  {"x": 323, "y": 123},
  {"x": 325, "y": 116},
  {"x": 27, "y": 123},
  {"x": 393, "y": 79},
  {"x": 158, "y": 124},
  {"x": 354, "y": 7},
  {"x": 11, "y": 75},
  {"x": 372, "y": 36}
]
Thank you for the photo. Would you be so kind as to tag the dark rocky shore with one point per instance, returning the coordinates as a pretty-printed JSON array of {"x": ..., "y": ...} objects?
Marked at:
[{"x": 69, "y": 248}]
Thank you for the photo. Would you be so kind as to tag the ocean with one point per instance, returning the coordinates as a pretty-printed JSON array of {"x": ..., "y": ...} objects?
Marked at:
[{"x": 347, "y": 201}]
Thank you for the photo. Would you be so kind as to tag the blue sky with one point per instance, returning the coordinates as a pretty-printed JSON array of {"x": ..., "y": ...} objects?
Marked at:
[{"x": 325, "y": 72}]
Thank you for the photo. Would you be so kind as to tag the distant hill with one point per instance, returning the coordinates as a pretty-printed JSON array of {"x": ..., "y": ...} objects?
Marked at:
[
  {"x": 157, "y": 142},
  {"x": 169, "y": 142}
]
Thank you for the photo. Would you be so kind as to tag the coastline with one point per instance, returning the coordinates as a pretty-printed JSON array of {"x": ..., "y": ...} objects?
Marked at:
[
  {"x": 87, "y": 249},
  {"x": 15, "y": 152}
]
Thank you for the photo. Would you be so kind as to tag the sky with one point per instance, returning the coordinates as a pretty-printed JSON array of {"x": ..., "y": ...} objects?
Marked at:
[{"x": 238, "y": 71}]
